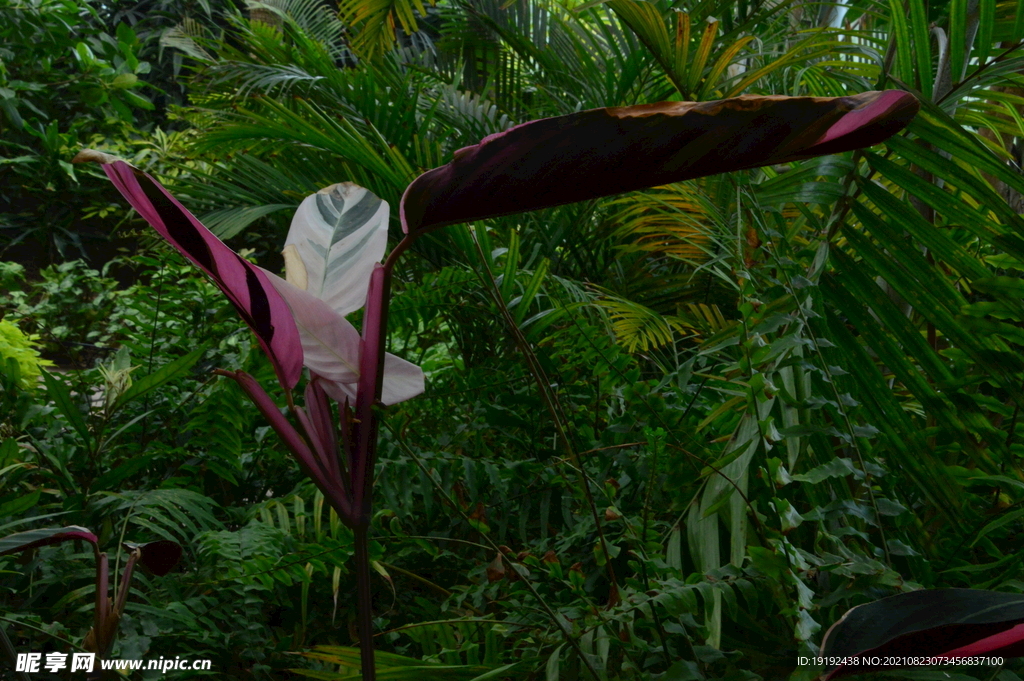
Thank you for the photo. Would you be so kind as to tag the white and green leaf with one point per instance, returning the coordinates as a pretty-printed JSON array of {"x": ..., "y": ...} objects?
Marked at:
[{"x": 336, "y": 237}]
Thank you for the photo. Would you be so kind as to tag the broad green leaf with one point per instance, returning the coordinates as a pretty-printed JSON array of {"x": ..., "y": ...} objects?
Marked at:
[
  {"x": 551, "y": 669},
  {"x": 20, "y": 505},
  {"x": 836, "y": 468}
]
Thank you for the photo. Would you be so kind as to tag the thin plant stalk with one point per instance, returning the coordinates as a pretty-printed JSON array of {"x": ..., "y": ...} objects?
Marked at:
[{"x": 361, "y": 464}]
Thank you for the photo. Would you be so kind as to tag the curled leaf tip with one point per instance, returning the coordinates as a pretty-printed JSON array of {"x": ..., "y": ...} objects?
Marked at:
[
  {"x": 94, "y": 156},
  {"x": 294, "y": 269},
  {"x": 873, "y": 117}
]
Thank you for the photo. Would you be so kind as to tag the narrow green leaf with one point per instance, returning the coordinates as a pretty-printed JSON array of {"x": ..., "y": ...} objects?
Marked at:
[
  {"x": 112, "y": 478},
  {"x": 19, "y": 505},
  {"x": 935, "y": 126},
  {"x": 930, "y": 477},
  {"x": 167, "y": 372},
  {"x": 227, "y": 222},
  {"x": 948, "y": 205},
  {"x": 904, "y": 57},
  {"x": 682, "y": 49},
  {"x": 646, "y": 22},
  {"x": 61, "y": 396},
  {"x": 933, "y": 308},
  {"x": 957, "y": 38},
  {"x": 724, "y": 60},
  {"x": 508, "y": 279},
  {"x": 856, "y": 284},
  {"x": 1001, "y": 521},
  {"x": 500, "y": 673},
  {"x": 937, "y": 241},
  {"x": 916, "y": 270},
  {"x": 700, "y": 58},
  {"x": 921, "y": 46},
  {"x": 1018, "y": 23},
  {"x": 956, "y": 175},
  {"x": 532, "y": 288},
  {"x": 986, "y": 29},
  {"x": 552, "y": 666}
]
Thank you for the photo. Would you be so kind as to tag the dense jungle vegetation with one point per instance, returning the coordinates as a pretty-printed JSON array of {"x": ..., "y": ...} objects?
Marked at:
[{"x": 670, "y": 435}]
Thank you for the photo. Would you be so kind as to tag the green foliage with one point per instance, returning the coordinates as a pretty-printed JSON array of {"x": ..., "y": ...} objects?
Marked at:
[
  {"x": 69, "y": 308},
  {"x": 73, "y": 74},
  {"x": 670, "y": 435},
  {"x": 21, "y": 349}
]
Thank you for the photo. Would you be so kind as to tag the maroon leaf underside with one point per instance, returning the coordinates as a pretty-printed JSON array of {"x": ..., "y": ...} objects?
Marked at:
[
  {"x": 602, "y": 152},
  {"x": 928, "y": 623},
  {"x": 245, "y": 285},
  {"x": 956, "y": 640},
  {"x": 24, "y": 541}
]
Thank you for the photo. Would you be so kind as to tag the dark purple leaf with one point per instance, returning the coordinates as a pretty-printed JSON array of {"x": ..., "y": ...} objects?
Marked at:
[
  {"x": 23, "y": 541},
  {"x": 601, "y": 152},
  {"x": 931, "y": 623},
  {"x": 159, "y": 557}
]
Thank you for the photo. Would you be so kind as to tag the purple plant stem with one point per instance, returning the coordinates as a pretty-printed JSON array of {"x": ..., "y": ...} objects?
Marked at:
[
  {"x": 126, "y": 580},
  {"x": 333, "y": 490},
  {"x": 368, "y": 391},
  {"x": 320, "y": 418},
  {"x": 364, "y": 601},
  {"x": 319, "y": 451},
  {"x": 371, "y": 373},
  {"x": 102, "y": 598},
  {"x": 102, "y": 609},
  {"x": 347, "y": 443}
]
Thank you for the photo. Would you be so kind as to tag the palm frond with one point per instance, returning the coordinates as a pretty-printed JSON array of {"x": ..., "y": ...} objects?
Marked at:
[
  {"x": 638, "y": 328},
  {"x": 375, "y": 21},
  {"x": 673, "y": 220}
]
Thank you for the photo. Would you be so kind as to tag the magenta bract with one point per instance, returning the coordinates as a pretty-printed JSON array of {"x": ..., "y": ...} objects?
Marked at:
[{"x": 245, "y": 285}]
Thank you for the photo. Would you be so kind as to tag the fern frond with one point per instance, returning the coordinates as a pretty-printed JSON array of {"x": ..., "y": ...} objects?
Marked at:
[
  {"x": 178, "y": 515},
  {"x": 218, "y": 424}
]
